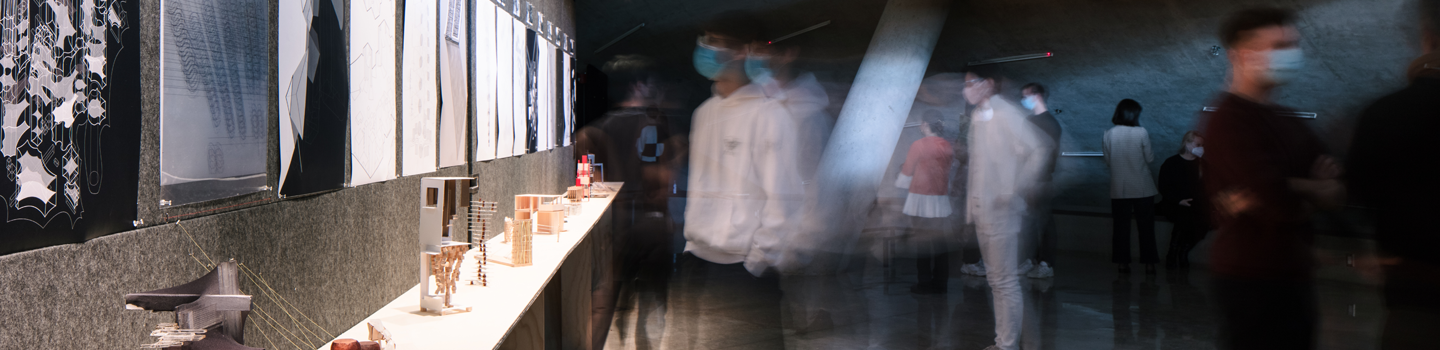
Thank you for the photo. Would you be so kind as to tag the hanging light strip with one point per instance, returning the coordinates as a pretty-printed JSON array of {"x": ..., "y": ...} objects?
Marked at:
[
  {"x": 1013, "y": 58},
  {"x": 798, "y": 32},
  {"x": 1082, "y": 154},
  {"x": 1305, "y": 115}
]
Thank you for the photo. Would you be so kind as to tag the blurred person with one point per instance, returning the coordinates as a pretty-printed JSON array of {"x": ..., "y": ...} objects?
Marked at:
[
  {"x": 926, "y": 174},
  {"x": 1400, "y": 191},
  {"x": 745, "y": 189},
  {"x": 1264, "y": 171},
  {"x": 634, "y": 140},
  {"x": 1182, "y": 200},
  {"x": 1132, "y": 191},
  {"x": 1042, "y": 225},
  {"x": 1005, "y": 162}
]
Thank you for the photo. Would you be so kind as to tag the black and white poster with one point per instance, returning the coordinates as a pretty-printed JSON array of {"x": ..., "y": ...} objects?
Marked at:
[
  {"x": 314, "y": 95},
  {"x": 214, "y": 99},
  {"x": 70, "y": 138}
]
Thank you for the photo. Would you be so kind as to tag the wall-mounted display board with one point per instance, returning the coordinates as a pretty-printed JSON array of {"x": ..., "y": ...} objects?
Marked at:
[
  {"x": 372, "y": 91},
  {"x": 485, "y": 63},
  {"x": 519, "y": 64},
  {"x": 454, "y": 85},
  {"x": 567, "y": 67},
  {"x": 418, "y": 94},
  {"x": 504, "y": 84},
  {"x": 70, "y": 138},
  {"x": 314, "y": 95},
  {"x": 214, "y": 96},
  {"x": 532, "y": 88}
]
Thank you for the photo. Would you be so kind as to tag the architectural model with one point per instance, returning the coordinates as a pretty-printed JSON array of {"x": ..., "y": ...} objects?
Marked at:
[
  {"x": 442, "y": 202},
  {"x": 210, "y": 312},
  {"x": 546, "y": 212},
  {"x": 518, "y": 234},
  {"x": 481, "y": 215}
]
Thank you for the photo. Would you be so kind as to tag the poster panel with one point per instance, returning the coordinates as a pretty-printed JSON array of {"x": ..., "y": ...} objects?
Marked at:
[
  {"x": 418, "y": 95},
  {"x": 314, "y": 95},
  {"x": 372, "y": 94}
]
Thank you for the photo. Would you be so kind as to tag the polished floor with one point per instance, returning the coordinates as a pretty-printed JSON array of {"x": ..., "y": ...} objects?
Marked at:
[{"x": 1087, "y": 305}]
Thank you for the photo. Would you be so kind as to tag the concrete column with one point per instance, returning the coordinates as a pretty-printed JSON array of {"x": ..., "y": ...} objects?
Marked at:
[{"x": 874, "y": 113}]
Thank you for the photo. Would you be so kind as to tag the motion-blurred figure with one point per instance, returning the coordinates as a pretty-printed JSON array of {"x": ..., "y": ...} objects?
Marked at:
[
  {"x": 1182, "y": 200},
  {"x": 1401, "y": 190},
  {"x": 634, "y": 140},
  {"x": 926, "y": 174},
  {"x": 1007, "y": 156},
  {"x": 1132, "y": 191},
  {"x": 1041, "y": 225},
  {"x": 745, "y": 190},
  {"x": 1263, "y": 170}
]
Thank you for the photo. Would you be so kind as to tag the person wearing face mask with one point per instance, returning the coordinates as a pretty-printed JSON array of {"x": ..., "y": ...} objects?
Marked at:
[
  {"x": 1007, "y": 158},
  {"x": 1264, "y": 171},
  {"x": 745, "y": 192},
  {"x": 1399, "y": 192},
  {"x": 1182, "y": 201},
  {"x": 1040, "y": 225}
]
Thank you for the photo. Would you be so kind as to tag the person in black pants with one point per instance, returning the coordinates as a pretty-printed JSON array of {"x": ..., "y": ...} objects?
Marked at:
[
  {"x": 1132, "y": 191},
  {"x": 1182, "y": 201}
]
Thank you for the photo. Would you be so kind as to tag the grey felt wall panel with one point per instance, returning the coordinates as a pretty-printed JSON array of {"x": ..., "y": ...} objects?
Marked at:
[{"x": 335, "y": 257}]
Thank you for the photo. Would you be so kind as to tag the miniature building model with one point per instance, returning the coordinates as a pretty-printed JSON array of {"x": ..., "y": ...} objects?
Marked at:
[
  {"x": 442, "y": 202},
  {"x": 545, "y": 212},
  {"x": 210, "y": 311},
  {"x": 518, "y": 233},
  {"x": 481, "y": 215}
]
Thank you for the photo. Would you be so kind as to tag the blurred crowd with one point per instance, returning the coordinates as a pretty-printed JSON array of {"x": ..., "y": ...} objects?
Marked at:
[{"x": 727, "y": 210}]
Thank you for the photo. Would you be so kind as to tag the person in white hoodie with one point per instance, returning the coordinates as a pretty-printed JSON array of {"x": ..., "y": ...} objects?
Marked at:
[
  {"x": 1007, "y": 155},
  {"x": 745, "y": 190}
]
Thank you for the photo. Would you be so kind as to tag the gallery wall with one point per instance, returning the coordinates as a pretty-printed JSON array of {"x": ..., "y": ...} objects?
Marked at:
[{"x": 317, "y": 262}]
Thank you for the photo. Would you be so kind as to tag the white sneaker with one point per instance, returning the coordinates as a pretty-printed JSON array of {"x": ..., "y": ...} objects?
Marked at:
[
  {"x": 976, "y": 269},
  {"x": 1025, "y": 267},
  {"x": 1042, "y": 271}
]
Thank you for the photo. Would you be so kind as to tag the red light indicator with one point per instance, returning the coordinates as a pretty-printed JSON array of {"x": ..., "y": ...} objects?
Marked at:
[{"x": 1048, "y": 54}]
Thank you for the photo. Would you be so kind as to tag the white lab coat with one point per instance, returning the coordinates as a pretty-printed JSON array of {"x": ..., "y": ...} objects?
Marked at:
[{"x": 745, "y": 189}]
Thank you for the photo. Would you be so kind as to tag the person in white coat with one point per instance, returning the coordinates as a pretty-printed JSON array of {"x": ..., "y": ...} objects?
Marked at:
[{"x": 1007, "y": 156}]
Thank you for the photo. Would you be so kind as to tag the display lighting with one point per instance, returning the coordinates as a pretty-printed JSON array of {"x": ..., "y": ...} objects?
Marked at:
[
  {"x": 1012, "y": 58},
  {"x": 1305, "y": 115}
]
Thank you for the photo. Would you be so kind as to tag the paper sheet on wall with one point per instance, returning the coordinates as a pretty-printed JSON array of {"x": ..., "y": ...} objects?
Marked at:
[
  {"x": 454, "y": 94},
  {"x": 214, "y": 99},
  {"x": 70, "y": 136},
  {"x": 484, "y": 68},
  {"x": 313, "y": 95},
  {"x": 418, "y": 94},
  {"x": 548, "y": 89},
  {"x": 372, "y": 91},
  {"x": 520, "y": 63},
  {"x": 504, "y": 84},
  {"x": 569, "y": 90}
]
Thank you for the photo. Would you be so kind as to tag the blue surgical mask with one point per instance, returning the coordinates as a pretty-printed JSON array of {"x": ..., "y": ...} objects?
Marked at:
[
  {"x": 710, "y": 60},
  {"x": 1028, "y": 102},
  {"x": 1198, "y": 151},
  {"x": 1285, "y": 65},
  {"x": 758, "y": 68}
]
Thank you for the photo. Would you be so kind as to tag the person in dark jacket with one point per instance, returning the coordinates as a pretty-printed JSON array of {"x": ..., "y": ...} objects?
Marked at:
[
  {"x": 1182, "y": 201},
  {"x": 1400, "y": 190}
]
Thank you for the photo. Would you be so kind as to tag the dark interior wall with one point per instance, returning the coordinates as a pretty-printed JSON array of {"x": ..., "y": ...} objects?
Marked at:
[
  {"x": 330, "y": 259},
  {"x": 1156, "y": 52}
]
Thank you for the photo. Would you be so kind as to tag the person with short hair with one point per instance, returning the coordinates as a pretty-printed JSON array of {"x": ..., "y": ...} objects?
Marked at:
[
  {"x": 926, "y": 174},
  {"x": 1041, "y": 225},
  {"x": 1182, "y": 200},
  {"x": 1400, "y": 192},
  {"x": 1264, "y": 171},
  {"x": 1007, "y": 156},
  {"x": 1132, "y": 191}
]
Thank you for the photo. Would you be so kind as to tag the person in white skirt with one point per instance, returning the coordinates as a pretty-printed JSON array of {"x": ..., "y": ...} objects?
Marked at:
[{"x": 926, "y": 174}]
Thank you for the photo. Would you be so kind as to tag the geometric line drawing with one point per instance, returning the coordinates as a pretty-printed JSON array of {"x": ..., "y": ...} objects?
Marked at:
[
  {"x": 418, "y": 93},
  {"x": 372, "y": 91}
]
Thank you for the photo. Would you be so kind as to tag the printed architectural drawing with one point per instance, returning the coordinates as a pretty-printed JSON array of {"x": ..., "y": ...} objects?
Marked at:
[{"x": 372, "y": 91}]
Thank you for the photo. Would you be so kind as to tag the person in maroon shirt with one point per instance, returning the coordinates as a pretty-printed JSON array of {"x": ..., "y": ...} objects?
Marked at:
[{"x": 1266, "y": 171}]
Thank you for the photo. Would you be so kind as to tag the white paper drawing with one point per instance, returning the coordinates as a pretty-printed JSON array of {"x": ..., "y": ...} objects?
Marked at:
[
  {"x": 569, "y": 99},
  {"x": 454, "y": 85},
  {"x": 485, "y": 80},
  {"x": 214, "y": 97},
  {"x": 504, "y": 84},
  {"x": 418, "y": 95},
  {"x": 372, "y": 91}
]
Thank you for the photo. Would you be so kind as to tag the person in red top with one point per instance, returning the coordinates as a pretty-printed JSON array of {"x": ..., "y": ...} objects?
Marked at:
[
  {"x": 1265, "y": 171},
  {"x": 926, "y": 174}
]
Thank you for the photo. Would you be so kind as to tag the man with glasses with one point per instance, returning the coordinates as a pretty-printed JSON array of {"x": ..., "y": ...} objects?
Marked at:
[{"x": 1007, "y": 158}]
